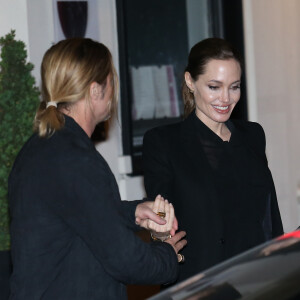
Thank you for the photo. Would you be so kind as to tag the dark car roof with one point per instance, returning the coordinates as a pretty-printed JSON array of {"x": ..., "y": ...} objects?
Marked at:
[{"x": 269, "y": 271}]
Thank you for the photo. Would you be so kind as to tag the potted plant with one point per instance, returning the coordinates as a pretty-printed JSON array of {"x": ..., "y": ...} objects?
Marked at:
[{"x": 19, "y": 98}]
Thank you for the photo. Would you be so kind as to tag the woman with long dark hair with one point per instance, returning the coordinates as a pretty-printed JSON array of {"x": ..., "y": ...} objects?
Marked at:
[{"x": 213, "y": 169}]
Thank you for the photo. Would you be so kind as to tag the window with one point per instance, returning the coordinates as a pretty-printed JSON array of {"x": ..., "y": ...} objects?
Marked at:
[{"x": 154, "y": 41}]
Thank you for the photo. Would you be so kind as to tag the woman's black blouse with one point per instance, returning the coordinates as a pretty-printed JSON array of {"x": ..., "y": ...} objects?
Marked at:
[{"x": 240, "y": 185}]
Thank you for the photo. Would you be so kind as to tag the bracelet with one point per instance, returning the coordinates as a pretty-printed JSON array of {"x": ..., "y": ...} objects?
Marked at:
[{"x": 160, "y": 239}]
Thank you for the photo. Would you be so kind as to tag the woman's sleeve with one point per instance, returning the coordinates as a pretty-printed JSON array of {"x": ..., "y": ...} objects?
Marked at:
[
  {"x": 277, "y": 228},
  {"x": 158, "y": 174},
  {"x": 92, "y": 208}
]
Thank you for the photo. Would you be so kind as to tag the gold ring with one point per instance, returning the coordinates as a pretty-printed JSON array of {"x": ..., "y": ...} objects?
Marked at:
[
  {"x": 180, "y": 258},
  {"x": 161, "y": 214}
]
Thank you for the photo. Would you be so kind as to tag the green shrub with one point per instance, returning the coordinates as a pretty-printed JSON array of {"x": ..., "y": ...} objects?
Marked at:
[{"x": 19, "y": 99}]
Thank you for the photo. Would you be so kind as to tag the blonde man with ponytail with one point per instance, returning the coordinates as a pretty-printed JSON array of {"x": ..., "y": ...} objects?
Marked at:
[
  {"x": 72, "y": 236},
  {"x": 67, "y": 76}
]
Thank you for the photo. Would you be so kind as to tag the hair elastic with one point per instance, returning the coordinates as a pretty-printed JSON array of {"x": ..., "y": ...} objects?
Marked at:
[{"x": 51, "y": 103}]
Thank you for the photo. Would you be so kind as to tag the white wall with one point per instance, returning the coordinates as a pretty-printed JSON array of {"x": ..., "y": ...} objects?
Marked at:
[
  {"x": 40, "y": 28},
  {"x": 272, "y": 33},
  {"x": 13, "y": 15}
]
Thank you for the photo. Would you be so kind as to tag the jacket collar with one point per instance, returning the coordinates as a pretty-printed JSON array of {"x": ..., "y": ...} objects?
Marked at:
[
  {"x": 192, "y": 125},
  {"x": 75, "y": 128}
]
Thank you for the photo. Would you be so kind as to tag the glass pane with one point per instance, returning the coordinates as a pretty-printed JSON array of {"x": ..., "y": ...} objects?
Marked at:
[{"x": 159, "y": 35}]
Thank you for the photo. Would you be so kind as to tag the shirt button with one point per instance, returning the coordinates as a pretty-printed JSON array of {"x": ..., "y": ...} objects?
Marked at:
[{"x": 222, "y": 241}]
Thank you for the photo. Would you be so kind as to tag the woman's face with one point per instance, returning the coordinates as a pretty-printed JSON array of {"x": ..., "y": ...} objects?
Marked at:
[{"x": 217, "y": 91}]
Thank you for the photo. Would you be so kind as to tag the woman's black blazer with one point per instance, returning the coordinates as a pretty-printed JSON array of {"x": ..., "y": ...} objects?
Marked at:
[{"x": 175, "y": 167}]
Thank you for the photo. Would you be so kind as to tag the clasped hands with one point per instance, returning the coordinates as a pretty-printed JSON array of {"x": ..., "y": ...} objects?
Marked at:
[{"x": 159, "y": 218}]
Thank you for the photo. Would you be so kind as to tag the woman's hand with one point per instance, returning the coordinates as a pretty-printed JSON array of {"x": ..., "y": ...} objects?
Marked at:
[
  {"x": 157, "y": 216},
  {"x": 164, "y": 210}
]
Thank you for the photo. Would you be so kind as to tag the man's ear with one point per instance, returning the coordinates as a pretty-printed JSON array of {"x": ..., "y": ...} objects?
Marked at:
[
  {"x": 96, "y": 91},
  {"x": 189, "y": 81}
]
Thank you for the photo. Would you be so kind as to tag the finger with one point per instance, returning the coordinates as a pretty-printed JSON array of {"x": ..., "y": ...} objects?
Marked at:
[
  {"x": 161, "y": 205},
  {"x": 174, "y": 226},
  {"x": 151, "y": 224},
  {"x": 175, "y": 223},
  {"x": 178, "y": 236},
  {"x": 167, "y": 217},
  {"x": 155, "y": 219},
  {"x": 170, "y": 219},
  {"x": 156, "y": 203},
  {"x": 179, "y": 245},
  {"x": 149, "y": 204},
  {"x": 157, "y": 207},
  {"x": 177, "y": 241},
  {"x": 164, "y": 208}
]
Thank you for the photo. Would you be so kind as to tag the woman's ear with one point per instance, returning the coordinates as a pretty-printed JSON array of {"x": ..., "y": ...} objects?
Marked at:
[{"x": 189, "y": 81}]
